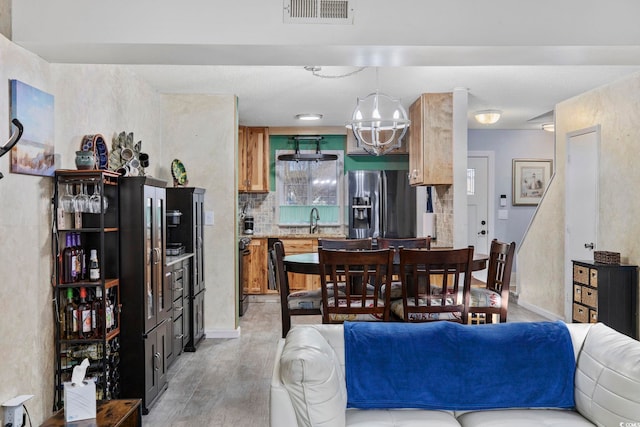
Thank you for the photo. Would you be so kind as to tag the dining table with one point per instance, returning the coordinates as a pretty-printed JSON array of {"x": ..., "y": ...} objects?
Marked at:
[{"x": 308, "y": 262}]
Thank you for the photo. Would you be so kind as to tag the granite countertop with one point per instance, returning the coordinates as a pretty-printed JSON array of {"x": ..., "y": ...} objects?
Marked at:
[{"x": 297, "y": 236}]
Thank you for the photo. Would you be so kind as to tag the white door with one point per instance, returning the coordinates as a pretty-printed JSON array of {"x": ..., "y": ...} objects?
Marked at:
[
  {"x": 581, "y": 203},
  {"x": 477, "y": 203}
]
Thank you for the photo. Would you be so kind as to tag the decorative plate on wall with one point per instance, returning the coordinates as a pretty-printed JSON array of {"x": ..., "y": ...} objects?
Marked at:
[
  {"x": 95, "y": 143},
  {"x": 179, "y": 173}
]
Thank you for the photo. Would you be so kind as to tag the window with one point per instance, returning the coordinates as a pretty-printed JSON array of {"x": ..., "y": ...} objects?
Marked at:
[
  {"x": 471, "y": 182},
  {"x": 301, "y": 186}
]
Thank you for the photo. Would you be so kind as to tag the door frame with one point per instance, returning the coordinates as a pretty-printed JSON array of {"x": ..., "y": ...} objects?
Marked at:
[
  {"x": 491, "y": 190},
  {"x": 568, "y": 270}
]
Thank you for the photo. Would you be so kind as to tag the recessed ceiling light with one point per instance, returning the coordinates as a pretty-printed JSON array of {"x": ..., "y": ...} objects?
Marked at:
[
  {"x": 308, "y": 116},
  {"x": 488, "y": 117}
]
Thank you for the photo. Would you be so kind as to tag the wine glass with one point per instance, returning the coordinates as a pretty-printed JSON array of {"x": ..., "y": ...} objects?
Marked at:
[
  {"x": 94, "y": 200},
  {"x": 82, "y": 199},
  {"x": 67, "y": 200}
]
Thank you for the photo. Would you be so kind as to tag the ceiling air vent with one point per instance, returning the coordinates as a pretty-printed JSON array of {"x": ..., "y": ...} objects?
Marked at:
[{"x": 318, "y": 11}]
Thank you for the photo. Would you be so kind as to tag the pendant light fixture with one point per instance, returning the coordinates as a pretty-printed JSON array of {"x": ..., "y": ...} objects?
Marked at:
[{"x": 378, "y": 122}]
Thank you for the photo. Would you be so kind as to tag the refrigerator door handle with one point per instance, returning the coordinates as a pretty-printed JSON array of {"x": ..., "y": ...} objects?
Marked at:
[{"x": 383, "y": 206}]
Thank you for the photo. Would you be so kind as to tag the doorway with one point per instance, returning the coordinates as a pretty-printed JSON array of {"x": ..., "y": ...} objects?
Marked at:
[
  {"x": 480, "y": 190},
  {"x": 581, "y": 203}
]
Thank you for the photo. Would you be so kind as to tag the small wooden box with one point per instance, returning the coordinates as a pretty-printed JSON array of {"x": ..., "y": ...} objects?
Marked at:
[
  {"x": 605, "y": 257},
  {"x": 580, "y": 313},
  {"x": 593, "y": 278},
  {"x": 590, "y": 297},
  {"x": 593, "y": 316},
  {"x": 577, "y": 293},
  {"x": 581, "y": 274}
]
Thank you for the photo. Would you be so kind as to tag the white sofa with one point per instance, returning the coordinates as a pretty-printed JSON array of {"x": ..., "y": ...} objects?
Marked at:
[{"x": 308, "y": 386}]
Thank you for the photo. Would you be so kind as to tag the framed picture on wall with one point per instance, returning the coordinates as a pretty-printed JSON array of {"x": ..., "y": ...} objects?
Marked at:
[
  {"x": 34, "y": 108},
  {"x": 530, "y": 179}
]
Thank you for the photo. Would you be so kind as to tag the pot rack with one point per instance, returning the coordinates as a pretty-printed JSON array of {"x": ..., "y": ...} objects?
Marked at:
[{"x": 297, "y": 156}]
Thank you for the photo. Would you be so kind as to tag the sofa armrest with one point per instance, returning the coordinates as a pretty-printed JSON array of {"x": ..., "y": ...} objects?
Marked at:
[{"x": 281, "y": 413}]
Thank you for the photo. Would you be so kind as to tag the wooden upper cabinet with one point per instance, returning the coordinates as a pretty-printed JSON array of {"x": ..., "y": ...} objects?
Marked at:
[
  {"x": 353, "y": 149},
  {"x": 431, "y": 140},
  {"x": 253, "y": 157}
]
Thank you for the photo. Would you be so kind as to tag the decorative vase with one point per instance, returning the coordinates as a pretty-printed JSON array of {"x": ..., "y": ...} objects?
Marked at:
[{"x": 85, "y": 160}]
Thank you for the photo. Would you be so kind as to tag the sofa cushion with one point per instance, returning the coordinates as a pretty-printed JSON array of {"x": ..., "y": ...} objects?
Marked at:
[
  {"x": 608, "y": 378},
  {"x": 524, "y": 418},
  {"x": 436, "y": 365},
  {"x": 400, "y": 417},
  {"x": 311, "y": 373}
]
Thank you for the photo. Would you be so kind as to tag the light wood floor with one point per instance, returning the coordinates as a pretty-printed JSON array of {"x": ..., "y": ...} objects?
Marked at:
[{"x": 226, "y": 381}]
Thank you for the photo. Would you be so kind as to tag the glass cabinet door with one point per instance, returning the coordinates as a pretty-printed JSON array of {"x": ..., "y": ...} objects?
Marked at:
[{"x": 150, "y": 259}]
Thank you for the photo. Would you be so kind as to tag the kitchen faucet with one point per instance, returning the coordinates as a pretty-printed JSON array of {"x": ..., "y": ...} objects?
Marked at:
[{"x": 313, "y": 228}]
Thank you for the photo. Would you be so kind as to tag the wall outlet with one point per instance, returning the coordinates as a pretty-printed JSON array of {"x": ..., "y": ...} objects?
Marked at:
[{"x": 13, "y": 411}]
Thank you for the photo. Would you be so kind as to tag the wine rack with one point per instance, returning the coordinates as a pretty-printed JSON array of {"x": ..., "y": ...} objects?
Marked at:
[{"x": 87, "y": 297}]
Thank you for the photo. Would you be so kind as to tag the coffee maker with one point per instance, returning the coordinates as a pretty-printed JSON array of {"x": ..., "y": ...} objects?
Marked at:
[{"x": 248, "y": 224}]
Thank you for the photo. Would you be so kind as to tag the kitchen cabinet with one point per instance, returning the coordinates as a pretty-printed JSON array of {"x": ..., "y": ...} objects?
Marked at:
[
  {"x": 88, "y": 322},
  {"x": 190, "y": 234},
  {"x": 177, "y": 272},
  {"x": 300, "y": 282},
  {"x": 149, "y": 300},
  {"x": 255, "y": 270},
  {"x": 253, "y": 158},
  {"x": 606, "y": 293},
  {"x": 431, "y": 140}
]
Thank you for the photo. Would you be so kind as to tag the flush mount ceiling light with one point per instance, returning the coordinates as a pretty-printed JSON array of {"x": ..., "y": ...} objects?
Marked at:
[
  {"x": 308, "y": 116},
  {"x": 549, "y": 127},
  {"x": 488, "y": 117},
  {"x": 378, "y": 122}
]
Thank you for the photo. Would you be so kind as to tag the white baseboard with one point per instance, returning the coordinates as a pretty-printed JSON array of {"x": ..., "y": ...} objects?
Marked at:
[
  {"x": 540, "y": 311},
  {"x": 223, "y": 333}
]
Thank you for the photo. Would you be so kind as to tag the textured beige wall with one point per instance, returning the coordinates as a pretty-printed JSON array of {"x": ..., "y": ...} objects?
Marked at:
[
  {"x": 200, "y": 130},
  {"x": 101, "y": 99},
  {"x": 5, "y": 18},
  {"x": 616, "y": 108}
]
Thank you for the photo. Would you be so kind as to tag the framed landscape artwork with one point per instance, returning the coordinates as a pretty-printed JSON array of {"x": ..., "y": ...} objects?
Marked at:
[
  {"x": 34, "y": 155},
  {"x": 530, "y": 180}
]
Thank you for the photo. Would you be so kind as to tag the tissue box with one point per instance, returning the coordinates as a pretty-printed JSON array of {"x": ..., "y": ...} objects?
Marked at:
[{"x": 79, "y": 401}]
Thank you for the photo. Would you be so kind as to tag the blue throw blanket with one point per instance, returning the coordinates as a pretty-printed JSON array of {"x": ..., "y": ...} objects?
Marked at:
[{"x": 445, "y": 365}]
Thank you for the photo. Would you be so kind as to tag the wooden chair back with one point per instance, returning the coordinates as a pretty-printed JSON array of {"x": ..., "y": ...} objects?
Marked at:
[
  {"x": 409, "y": 243},
  {"x": 348, "y": 244},
  {"x": 501, "y": 257},
  {"x": 352, "y": 284},
  {"x": 276, "y": 257},
  {"x": 435, "y": 284}
]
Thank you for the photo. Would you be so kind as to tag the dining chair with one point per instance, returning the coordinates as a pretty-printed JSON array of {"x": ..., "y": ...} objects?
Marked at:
[
  {"x": 435, "y": 285},
  {"x": 396, "y": 244},
  {"x": 409, "y": 243},
  {"x": 363, "y": 274},
  {"x": 493, "y": 298},
  {"x": 299, "y": 303},
  {"x": 348, "y": 244}
]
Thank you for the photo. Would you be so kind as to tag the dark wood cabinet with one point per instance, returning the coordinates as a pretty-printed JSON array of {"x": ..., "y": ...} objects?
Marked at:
[
  {"x": 149, "y": 305},
  {"x": 190, "y": 233},
  {"x": 178, "y": 273},
  {"x": 606, "y": 293}
]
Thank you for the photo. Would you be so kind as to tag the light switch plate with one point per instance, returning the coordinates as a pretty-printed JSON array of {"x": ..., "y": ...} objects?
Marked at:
[
  {"x": 503, "y": 214},
  {"x": 208, "y": 218}
]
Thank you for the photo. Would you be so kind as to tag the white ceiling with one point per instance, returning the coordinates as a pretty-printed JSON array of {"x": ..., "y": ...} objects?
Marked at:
[{"x": 518, "y": 57}]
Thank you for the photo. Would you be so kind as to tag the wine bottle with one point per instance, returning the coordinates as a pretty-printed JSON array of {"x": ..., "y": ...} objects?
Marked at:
[
  {"x": 96, "y": 312},
  {"x": 94, "y": 267},
  {"x": 70, "y": 317},
  {"x": 66, "y": 260},
  {"x": 84, "y": 316},
  {"x": 74, "y": 259},
  {"x": 82, "y": 259}
]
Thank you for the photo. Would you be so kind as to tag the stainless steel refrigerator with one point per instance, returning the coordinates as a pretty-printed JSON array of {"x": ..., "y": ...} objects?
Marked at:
[{"x": 381, "y": 204}]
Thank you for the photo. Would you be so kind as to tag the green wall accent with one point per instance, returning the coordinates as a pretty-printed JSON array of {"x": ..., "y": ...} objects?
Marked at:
[{"x": 336, "y": 142}]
